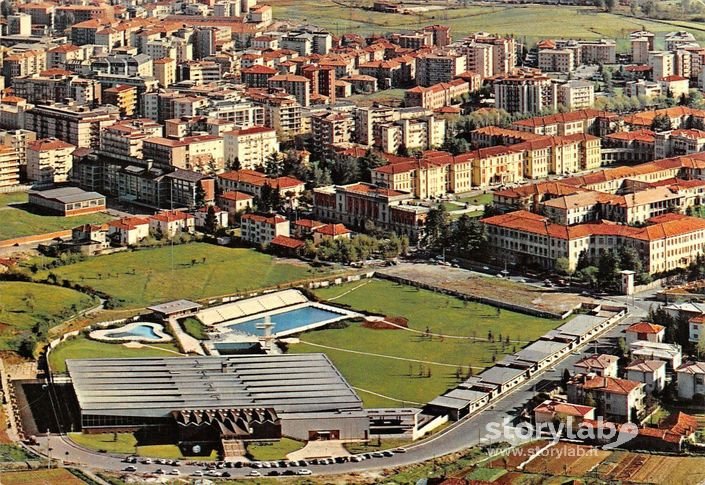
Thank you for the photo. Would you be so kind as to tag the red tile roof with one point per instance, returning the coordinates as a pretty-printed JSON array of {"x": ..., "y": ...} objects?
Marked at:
[
  {"x": 332, "y": 230},
  {"x": 288, "y": 242},
  {"x": 645, "y": 327},
  {"x": 128, "y": 223}
]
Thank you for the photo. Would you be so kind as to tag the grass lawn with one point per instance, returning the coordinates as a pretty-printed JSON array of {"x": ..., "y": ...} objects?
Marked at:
[
  {"x": 40, "y": 477},
  {"x": 194, "y": 328},
  {"x": 272, "y": 450},
  {"x": 373, "y": 445},
  {"x": 145, "y": 277},
  {"x": 480, "y": 199},
  {"x": 126, "y": 443},
  {"x": 389, "y": 97},
  {"x": 84, "y": 348},
  {"x": 22, "y": 305},
  {"x": 19, "y": 219},
  {"x": 9, "y": 452},
  {"x": 112, "y": 443},
  {"x": 533, "y": 22},
  {"x": 405, "y": 380},
  {"x": 486, "y": 474},
  {"x": 13, "y": 198}
]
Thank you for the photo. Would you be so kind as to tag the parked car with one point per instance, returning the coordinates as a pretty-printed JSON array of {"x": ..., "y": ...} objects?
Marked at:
[
  {"x": 130, "y": 468},
  {"x": 304, "y": 471},
  {"x": 254, "y": 473}
]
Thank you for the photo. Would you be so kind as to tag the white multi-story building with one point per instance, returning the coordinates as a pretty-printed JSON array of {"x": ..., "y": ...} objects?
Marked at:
[
  {"x": 49, "y": 161},
  {"x": 250, "y": 146}
]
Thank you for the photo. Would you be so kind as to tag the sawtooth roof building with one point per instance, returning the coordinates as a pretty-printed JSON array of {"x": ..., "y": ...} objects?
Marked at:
[{"x": 216, "y": 398}]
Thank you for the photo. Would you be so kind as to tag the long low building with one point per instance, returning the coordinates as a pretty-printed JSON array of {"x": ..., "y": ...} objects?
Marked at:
[
  {"x": 208, "y": 399},
  {"x": 68, "y": 201}
]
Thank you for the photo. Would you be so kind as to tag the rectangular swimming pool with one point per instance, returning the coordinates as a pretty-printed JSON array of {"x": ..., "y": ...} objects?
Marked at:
[{"x": 287, "y": 322}]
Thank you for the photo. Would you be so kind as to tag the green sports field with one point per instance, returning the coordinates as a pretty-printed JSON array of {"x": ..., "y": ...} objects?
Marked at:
[{"x": 400, "y": 356}]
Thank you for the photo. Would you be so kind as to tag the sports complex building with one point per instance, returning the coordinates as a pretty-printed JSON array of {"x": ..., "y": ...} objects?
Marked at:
[{"x": 214, "y": 398}]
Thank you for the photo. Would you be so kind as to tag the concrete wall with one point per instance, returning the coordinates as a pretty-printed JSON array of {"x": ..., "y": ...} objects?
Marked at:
[{"x": 350, "y": 427}]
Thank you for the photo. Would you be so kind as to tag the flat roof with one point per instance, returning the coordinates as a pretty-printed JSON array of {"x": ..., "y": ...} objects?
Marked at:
[
  {"x": 156, "y": 386},
  {"x": 581, "y": 325},
  {"x": 66, "y": 195},
  {"x": 500, "y": 375},
  {"x": 176, "y": 306}
]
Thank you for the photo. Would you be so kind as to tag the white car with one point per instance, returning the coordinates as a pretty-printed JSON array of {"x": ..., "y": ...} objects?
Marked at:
[
  {"x": 254, "y": 473},
  {"x": 304, "y": 471},
  {"x": 197, "y": 473},
  {"x": 175, "y": 472}
]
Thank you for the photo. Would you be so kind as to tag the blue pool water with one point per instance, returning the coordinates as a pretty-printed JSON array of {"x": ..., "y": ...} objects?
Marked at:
[
  {"x": 142, "y": 331},
  {"x": 286, "y": 321}
]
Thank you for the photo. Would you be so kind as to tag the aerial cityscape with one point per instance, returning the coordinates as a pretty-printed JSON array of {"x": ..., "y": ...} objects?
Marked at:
[{"x": 352, "y": 242}]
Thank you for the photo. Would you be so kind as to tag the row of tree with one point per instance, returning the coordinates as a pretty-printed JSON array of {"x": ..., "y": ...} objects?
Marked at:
[
  {"x": 359, "y": 248},
  {"x": 466, "y": 236},
  {"x": 603, "y": 271}
]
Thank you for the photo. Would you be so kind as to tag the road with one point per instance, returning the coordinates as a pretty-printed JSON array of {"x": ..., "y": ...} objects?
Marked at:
[{"x": 466, "y": 433}]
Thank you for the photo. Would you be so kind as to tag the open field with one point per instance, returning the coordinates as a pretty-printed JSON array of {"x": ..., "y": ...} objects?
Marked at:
[
  {"x": 192, "y": 271},
  {"x": 84, "y": 348},
  {"x": 272, "y": 450},
  {"x": 532, "y": 22},
  {"x": 403, "y": 359},
  {"x": 22, "y": 305},
  {"x": 19, "y": 219},
  {"x": 40, "y": 477},
  {"x": 536, "y": 298}
]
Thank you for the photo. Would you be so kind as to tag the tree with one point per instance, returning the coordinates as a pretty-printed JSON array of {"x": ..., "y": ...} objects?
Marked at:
[
  {"x": 610, "y": 4},
  {"x": 269, "y": 199},
  {"x": 403, "y": 151},
  {"x": 437, "y": 228},
  {"x": 345, "y": 170},
  {"x": 321, "y": 177},
  {"x": 468, "y": 235},
  {"x": 562, "y": 266},
  {"x": 607, "y": 270},
  {"x": 200, "y": 197},
  {"x": 368, "y": 162},
  {"x": 234, "y": 164},
  {"x": 210, "y": 225},
  {"x": 660, "y": 123},
  {"x": 273, "y": 165},
  {"x": 455, "y": 145}
]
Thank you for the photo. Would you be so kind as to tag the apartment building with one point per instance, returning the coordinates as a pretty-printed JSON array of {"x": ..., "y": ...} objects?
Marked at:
[
  {"x": 678, "y": 142},
  {"x": 525, "y": 93},
  {"x": 126, "y": 137},
  {"x": 18, "y": 141},
  {"x": 171, "y": 223},
  {"x": 49, "y": 161},
  {"x": 23, "y": 63},
  {"x": 281, "y": 112},
  {"x": 478, "y": 58},
  {"x": 297, "y": 86},
  {"x": 250, "y": 146},
  {"x": 643, "y": 88},
  {"x": 422, "y": 133},
  {"x": 199, "y": 72},
  {"x": 262, "y": 229},
  {"x": 123, "y": 97},
  {"x": 165, "y": 71},
  {"x": 78, "y": 125},
  {"x": 557, "y": 60},
  {"x": 662, "y": 64},
  {"x": 439, "y": 67},
  {"x": 504, "y": 51},
  {"x": 642, "y": 43},
  {"x": 9, "y": 167},
  {"x": 251, "y": 182},
  {"x": 437, "y": 95},
  {"x": 589, "y": 121},
  {"x": 368, "y": 123},
  {"x": 57, "y": 85},
  {"x": 576, "y": 95},
  {"x": 330, "y": 128},
  {"x": 201, "y": 153}
]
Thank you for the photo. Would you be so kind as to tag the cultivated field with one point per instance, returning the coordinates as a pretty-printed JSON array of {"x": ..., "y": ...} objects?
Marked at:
[
  {"x": 40, "y": 477},
  {"x": 18, "y": 219},
  {"x": 192, "y": 271},
  {"x": 396, "y": 362},
  {"x": 532, "y": 22},
  {"x": 23, "y": 305},
  {"x": 573, "y": 460}
]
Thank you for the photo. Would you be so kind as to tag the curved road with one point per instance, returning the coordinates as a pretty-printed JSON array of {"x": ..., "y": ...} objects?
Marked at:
[{"x": 468, "y": 432}]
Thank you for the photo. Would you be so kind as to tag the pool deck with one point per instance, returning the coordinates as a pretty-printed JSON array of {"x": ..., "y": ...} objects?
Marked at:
[
  {"x": 103, "y": 335},
  {"x": 224, "y": 327}
]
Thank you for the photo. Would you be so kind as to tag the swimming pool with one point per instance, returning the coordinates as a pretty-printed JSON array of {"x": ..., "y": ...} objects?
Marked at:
[
  {"x": 289, "y": 321},
  {"x": 135, "y": 331}
]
